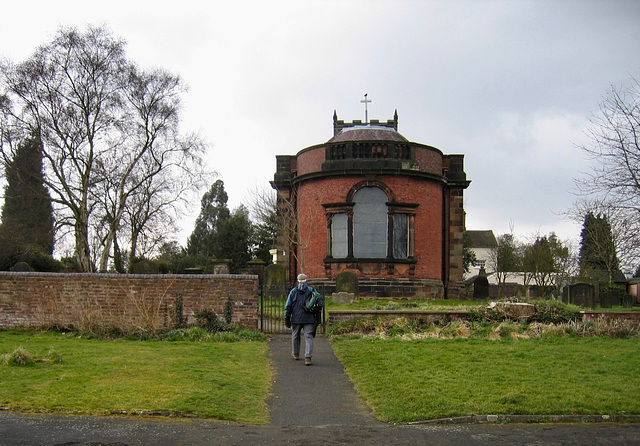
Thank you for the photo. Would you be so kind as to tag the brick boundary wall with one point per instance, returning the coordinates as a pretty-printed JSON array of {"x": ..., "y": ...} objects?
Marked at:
[{"x": 133, "y": 301}]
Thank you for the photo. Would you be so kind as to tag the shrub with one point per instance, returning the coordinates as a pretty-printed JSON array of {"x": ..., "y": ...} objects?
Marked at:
[
  {"x": 485, "y": 315},
  {"x": 196, "y": 333},
  {"x": 178, "y": 314},
  {"x": 228, "y": 311},
  {"x": 19, "y": 357},
  {"x": 554, "y": 312},
  {"x": 209, "y": 321}
]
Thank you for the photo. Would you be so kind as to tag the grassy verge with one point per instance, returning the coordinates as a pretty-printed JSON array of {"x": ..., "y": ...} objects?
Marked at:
[
  {"x": 222, "y": 380},
  {"x": 413, "y": 380},
  {"x": 406, "y": 304}
]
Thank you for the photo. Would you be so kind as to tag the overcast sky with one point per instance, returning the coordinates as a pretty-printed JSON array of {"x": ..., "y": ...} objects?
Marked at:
[{"x": 509, "y": 84}]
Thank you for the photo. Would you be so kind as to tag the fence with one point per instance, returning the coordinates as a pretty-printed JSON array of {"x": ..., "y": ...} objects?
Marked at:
[{"x": 272, "y": 302}]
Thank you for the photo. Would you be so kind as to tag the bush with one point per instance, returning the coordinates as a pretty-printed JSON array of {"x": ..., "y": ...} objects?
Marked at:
[
  {"x": 196, "y": 333},
  {"x": 554, "y": 312},
  {"x": 209, "y": 321},
  {"x": 19, "y": 357},
  {"x": 228, "y": 311}
]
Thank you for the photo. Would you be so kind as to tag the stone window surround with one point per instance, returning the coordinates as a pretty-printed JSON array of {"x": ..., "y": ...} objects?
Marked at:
[{"x": 393, "y": 207}]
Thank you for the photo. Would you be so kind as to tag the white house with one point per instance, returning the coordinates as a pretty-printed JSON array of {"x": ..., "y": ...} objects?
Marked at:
[{"x": 482, "y": 244}]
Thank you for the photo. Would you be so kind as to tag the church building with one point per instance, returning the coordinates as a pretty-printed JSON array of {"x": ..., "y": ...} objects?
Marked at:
[{"x": 371, "y": 203}]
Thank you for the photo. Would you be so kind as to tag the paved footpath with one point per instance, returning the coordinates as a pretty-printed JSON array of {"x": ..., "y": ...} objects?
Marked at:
[{"x": 335, "y": 415}]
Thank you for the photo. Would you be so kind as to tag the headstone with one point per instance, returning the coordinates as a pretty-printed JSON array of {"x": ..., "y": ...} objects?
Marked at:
[
  {"x": 605, "y": 300},
  {"x": 343, "y": 298},
  {"x": 481, "y": 286},
  {"x": 535, "y": 291},
  {"x": 347, "y": 282},
  {"x": 221, "y": 266},
  {"x": 275, "y": 276},
  {"x": 582, "y": 294},
  {"x": 515, "y": 310},
  {"x": 21, "y": 267},
  {"x": 627, "y": 301},
  {"x": 145, "y": 266}
]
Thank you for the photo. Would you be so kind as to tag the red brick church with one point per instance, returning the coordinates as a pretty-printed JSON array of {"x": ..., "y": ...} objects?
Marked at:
[{"x": 372, "y": 203}]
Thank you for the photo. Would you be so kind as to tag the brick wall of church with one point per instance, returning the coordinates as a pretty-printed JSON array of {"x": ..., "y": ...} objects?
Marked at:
[
  {"x": 428, "y": 222},
  {"x": 35, "y": 299}
]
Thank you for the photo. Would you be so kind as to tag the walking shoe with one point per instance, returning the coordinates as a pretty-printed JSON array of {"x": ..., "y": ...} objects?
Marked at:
[
  {"x": 307, "y": 361},
  {"x": 294, "y": 356}
]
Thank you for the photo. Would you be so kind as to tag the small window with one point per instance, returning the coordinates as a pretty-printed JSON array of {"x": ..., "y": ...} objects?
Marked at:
[
  {"x": 400, "y": 236},
  {"x": 480, "y": 263},
  {"x": 339, "y": 239}
]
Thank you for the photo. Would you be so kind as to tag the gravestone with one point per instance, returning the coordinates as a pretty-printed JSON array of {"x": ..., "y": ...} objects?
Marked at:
[
  {"x": 481, "y": 286},
  {"x": 145, "y": 266},
  {"x": 343, "y": 298},
  {"x": 221, "y": 266},
  {"x": 347, "y": 282},
  {"x": 275, "y": 276},
  {"x": 605, "y": 300},
  {"x": 21, "y": 267},
  {"x": 582, "y": 294},
  {"x": 514, "y": 310}
]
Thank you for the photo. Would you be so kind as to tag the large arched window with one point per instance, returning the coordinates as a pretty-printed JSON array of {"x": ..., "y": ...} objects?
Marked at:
[
  {"x": 370, "y": 219},
  {"x": 370, "y": 226}
]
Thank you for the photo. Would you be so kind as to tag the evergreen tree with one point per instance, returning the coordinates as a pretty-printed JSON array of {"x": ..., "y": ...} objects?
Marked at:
[
  {"x": 214, "y": 213},
  {"x": 597, "y": 249},
  {"x": 219, "y": 233},
  {"x": 27, "y": 230},
  {"x": 235, "y": 240}
]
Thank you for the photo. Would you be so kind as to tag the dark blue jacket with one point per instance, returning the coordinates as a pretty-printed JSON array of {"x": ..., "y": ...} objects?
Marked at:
[{"x": 294, "y": 307}]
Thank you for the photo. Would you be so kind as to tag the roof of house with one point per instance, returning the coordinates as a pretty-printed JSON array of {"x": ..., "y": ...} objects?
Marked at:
[{"x": 482, "y": 239}]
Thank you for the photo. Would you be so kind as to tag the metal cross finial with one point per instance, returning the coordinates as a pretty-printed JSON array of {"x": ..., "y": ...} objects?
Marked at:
[{"x": 365, "y": 101}]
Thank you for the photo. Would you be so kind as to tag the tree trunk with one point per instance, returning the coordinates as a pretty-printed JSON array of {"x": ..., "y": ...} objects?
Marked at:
[{"x": 83, "y": 252}]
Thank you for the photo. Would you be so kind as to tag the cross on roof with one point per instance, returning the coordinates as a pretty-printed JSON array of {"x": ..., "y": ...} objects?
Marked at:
[{"x": 365, "y": 101}]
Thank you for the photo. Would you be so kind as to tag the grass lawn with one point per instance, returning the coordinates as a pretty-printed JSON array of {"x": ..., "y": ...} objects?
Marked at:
[
  {"x": 222, "y": 380},
  {"x": 413, "y": 380}
]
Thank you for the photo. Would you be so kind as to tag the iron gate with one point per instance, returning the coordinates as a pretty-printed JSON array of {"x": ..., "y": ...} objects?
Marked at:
[{"x": 272, "y": 302}]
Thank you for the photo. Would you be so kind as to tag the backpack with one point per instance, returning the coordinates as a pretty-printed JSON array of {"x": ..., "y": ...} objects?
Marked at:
[{"x": 314, "y": 302}]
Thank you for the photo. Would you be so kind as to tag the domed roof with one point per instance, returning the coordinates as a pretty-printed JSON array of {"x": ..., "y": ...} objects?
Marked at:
[{"x": 368, "y": 133}]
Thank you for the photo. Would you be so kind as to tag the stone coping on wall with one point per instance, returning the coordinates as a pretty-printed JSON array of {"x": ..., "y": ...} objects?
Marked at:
[{"x": 131, "y": 276}]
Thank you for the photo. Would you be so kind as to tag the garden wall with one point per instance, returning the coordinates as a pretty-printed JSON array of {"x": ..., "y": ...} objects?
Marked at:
[{"x": 128, "y": 302}]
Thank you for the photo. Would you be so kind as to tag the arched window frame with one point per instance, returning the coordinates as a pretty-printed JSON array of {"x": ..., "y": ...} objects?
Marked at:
[{"x": 396, "y": 212}]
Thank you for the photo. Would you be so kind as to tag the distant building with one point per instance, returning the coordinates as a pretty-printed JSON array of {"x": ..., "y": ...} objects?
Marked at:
[
  {"x": 483, "y": 243},
  {"x": 372, "y": 203}
]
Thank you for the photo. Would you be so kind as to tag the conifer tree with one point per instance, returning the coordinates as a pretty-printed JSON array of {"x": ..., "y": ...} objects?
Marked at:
[
  {"x": 214, "y": 213},
  {"x": 597, "y": 248},
  {"x": 27, "y": 230}
]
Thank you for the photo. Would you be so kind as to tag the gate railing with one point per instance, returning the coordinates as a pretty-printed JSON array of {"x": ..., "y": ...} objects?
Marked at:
[{"x": 272, "y": 302}]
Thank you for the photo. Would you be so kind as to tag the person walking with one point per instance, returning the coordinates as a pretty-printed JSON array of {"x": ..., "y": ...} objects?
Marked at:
[{"x": 300, "y": 320}]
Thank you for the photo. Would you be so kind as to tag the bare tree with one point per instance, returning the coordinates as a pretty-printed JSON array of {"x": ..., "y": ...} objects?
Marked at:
[
  {"x": 294, "y": 227},
  {"x": 612, "y": 187},
  {"x": 107, "y": 128}
]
